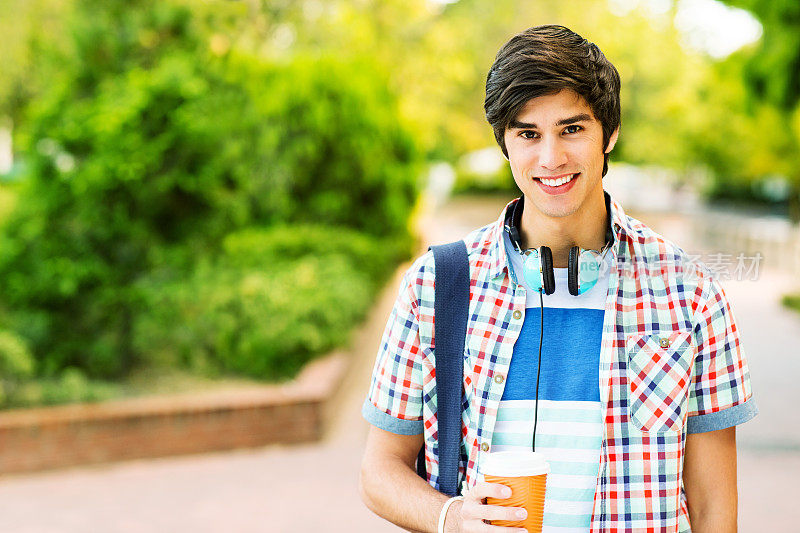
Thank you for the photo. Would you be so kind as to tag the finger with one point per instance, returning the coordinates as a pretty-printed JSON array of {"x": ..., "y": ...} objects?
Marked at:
[
  {"x": 497, "y": 512},
  {"x": 471, "y": 510},
  {"x": 480, "y": 527},
  {"x": 482, "y": 489}
]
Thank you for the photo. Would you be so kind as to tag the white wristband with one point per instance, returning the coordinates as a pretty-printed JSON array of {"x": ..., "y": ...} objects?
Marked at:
[{"x": 443, "y": 514}]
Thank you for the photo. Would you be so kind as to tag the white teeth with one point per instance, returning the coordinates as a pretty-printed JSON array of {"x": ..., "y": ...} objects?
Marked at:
[{"x": 557, "y": 182}]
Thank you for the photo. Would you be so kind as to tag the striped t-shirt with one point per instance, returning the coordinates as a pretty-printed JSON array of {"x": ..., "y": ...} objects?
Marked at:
[{"x": 570, "y": 427}]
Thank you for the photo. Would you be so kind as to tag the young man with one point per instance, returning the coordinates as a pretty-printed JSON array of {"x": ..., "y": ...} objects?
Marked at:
[{"x": 642, "y": 377}]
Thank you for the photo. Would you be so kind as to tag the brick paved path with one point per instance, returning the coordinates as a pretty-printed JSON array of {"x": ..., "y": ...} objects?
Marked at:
[{"x": 313, "y": 488}]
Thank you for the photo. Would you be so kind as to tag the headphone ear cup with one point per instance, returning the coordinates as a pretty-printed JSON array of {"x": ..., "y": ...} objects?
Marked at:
[
  {"x": 572, "y": 271},
  {"x": 548, "y": 277}
]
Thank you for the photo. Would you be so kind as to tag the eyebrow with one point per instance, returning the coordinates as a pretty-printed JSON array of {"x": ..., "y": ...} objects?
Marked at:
[{"x": 515, "y": 124}]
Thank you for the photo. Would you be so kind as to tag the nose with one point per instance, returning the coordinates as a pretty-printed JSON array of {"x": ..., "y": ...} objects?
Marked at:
[{"x": 552, "y": 154}]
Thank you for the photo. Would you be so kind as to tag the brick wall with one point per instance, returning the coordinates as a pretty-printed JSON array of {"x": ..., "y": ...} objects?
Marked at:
[{"x": 55, "y": 437}]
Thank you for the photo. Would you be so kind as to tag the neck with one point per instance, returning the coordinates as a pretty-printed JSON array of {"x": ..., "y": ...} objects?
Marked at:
[{"x": 586, "y": 228}]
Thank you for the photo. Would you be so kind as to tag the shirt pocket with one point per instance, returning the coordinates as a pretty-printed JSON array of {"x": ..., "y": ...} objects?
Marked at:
[{"x": 659, "y": 374}]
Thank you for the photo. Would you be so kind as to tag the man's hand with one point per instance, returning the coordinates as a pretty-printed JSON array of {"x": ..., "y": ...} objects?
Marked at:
[
  {"x": 392, "y": 489},
  {"x": 474, "y": 511}
]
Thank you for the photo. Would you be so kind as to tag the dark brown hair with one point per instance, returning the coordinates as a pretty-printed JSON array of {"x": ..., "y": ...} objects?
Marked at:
[{"x": 544, "y": 60}]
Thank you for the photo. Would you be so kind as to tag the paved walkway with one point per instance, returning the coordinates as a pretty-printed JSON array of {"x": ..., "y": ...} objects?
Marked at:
[{"x": 313, "y": 488}]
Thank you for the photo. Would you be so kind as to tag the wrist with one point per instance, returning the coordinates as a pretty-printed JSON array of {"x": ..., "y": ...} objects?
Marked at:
[
  {"x": 452, "y": 522},
  {"x": 450, "y": 515}
]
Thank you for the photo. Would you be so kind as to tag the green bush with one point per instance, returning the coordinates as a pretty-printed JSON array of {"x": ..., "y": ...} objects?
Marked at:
[
  {"x": 792, "y": 301},
  {"x": 146, "y": 149},
  {"x": 277, "y": 246},
  {"x": 275, "y": 299},
  {"x": 337, "y": 144},
  {"x": 19, "y": 389},
  {"x": 16, "y": 365},
  {"x": 70, "y": 386}
]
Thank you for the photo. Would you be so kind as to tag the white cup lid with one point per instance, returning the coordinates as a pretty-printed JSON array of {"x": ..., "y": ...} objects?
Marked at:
[{"x": 514, "y": 464}]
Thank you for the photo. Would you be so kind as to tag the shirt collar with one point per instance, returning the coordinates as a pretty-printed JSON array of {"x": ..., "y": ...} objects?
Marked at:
[{"x": 498, "y": 262}]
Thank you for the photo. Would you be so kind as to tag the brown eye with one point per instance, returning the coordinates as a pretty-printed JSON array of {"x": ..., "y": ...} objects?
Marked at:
[{"x": 574, "y": 128}]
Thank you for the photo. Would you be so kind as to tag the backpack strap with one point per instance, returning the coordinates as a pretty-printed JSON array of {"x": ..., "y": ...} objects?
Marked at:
[{"x": 451, "y": 307}]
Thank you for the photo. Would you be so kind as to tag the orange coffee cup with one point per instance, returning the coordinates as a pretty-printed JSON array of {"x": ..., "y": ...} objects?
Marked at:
[{"x": 525, "y": 473}]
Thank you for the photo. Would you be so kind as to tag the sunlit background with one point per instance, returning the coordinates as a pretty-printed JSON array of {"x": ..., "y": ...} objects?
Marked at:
[{"x": 208, "y": 194}]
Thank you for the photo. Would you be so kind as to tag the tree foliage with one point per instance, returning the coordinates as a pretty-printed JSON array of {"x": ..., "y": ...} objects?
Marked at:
[
  {"x": 771, "y": 74},
  {"x": 773, "y": 70},
  {"x": 155, "y": 141}
]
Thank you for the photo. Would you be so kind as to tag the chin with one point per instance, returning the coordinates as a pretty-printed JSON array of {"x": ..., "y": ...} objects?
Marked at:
[
  {"x": 560, "y": 213},
  {"x": 556, "y": 209}
]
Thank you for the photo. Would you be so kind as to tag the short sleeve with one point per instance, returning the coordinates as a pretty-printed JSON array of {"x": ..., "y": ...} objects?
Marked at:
[
  {"x": 720, "y": 394},
  {"x": 394, "y": 401}
]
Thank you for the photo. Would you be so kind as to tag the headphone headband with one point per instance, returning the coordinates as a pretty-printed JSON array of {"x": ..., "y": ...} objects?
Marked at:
[{"x": 513, "y": 221}]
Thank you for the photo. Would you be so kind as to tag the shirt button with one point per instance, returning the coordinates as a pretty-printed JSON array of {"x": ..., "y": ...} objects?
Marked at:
[
  {"x": 663, "y": 342},
  {"x": 517, "y": 314},
  {"x": 498, "y": 379},
  {"x": 485, "y": 447}
]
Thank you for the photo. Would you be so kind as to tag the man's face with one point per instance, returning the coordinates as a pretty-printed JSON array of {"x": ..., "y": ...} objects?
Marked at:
[{"x": 557, "y": 136}]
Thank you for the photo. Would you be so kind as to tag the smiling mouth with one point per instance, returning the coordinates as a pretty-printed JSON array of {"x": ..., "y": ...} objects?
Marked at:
[{"x": 557, "y": 181}]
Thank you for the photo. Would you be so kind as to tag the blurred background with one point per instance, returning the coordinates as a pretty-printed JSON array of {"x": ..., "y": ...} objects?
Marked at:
[{"x": 206, "y": 195}]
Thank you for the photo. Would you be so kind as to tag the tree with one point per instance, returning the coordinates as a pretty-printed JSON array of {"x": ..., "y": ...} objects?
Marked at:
[
  {"x": 152, "y": 142},
  {"x": 772, "y": 76}
]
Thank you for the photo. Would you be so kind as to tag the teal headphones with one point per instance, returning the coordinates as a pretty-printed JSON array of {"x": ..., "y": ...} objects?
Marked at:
[{"x": 583, "y": 268}]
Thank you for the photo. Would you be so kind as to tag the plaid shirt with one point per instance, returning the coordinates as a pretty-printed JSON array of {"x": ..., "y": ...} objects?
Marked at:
[{"x": 670, "y": 364}]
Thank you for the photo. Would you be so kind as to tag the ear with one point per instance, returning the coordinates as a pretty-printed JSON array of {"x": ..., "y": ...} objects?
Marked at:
[{"x": 612, "y": 140}]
